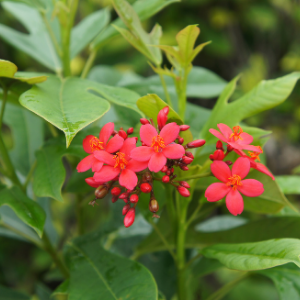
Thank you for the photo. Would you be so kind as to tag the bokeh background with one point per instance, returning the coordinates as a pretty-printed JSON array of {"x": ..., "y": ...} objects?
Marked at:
[{"x": 258, "y": 38}]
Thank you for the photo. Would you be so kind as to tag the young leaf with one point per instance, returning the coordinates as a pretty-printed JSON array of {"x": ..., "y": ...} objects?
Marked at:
[
  {"x": 26, "y": 209},
  {"x": 256, "y": 256},
  {"x": 289, "y": 184},
  {"x": 106, "y": 274}
]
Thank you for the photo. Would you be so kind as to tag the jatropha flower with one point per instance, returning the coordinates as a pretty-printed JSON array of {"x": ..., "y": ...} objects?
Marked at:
[{"x": 233, "y": 185}]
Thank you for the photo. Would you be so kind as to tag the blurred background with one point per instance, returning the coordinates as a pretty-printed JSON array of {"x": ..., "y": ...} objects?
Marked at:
[{"x": 258, "y": 38}]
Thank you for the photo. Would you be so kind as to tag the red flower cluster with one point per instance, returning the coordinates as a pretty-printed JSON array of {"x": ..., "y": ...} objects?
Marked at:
[{"x": 118, "y": 162}]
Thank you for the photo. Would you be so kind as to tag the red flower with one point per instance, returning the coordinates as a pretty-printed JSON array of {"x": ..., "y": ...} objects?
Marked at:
[
  {"x": 92, "y": 143},
  {"x": 232, "y": 184},
  {"x": 158, "y": 147},
  {"x": 120, "y": 164},
  {"x": 237, "y": 139}
]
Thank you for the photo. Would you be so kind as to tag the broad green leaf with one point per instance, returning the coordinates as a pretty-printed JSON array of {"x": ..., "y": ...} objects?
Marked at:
[
  {"x": 144, "y": 9},
  {"x": 289, "y": 184},
  {"x": 9, "y": 294},
  {"x": 256, "y": 256},
  {"x": 39, "y": 4},
  {"x": 265, "y": 95},
  {"x": 27, "y": 133},
  {"x": 106, "y": 274},
  {"x": 9, "y": 69},
  {"x": 26, "y": 209},
  {"x": 37, "y": 43},
  {"x": 286, "y": 279},
  {"x": 87, "y": 29}
]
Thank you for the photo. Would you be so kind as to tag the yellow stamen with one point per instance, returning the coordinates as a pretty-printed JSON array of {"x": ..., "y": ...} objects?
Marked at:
[
  {"x": 234, "y": 181},
  {"x": 96, "y": 144},
  {"x": 158, "y": 143},
  {"x": 237, "y": 131},
  {"x": 120, "y": 160}
]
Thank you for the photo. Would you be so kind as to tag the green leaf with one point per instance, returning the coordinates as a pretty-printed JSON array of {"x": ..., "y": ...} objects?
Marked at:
[
  {"x": 37, "y": 43},
  {"x": 256, "y": 256},
  {"x": 106, "y": 274},
  {"x": 26, "y": 209},
  {"x": 289, "y": 184},
  {"x": 87, "y": 29},
  {"x": 205, "y": 266},
  {"x": 144, "y": 9},
  {"x": 43, "y": 292},
  {"x": 8, "y": 294},
  {"x": 265, "y": 95},
  {"x": 62, "y": 289}
]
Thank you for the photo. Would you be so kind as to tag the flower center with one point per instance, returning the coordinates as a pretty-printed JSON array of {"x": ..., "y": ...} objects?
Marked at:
[
  {"x": 234, "y": 181},
  {"x": 96, "y": 144},
  {"x": 158, "y": 143},
  {"x": 237, "y": 131},
  {"x": 121, "y": 162},
  {"x": 255, "y": 155}
]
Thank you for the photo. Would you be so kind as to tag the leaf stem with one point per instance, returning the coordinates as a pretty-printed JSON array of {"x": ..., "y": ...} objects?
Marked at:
[
  {"x": 30, "y": 173},
  {"x": 89, "y": 63},
  {"x": 192, "y": 260},
  {"x": 4, "y": 99},
  {"x": 163, "y": 83},
  {"x": 194, "y": 176}
]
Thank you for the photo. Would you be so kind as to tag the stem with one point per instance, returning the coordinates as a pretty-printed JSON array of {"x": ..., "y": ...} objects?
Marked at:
[
  {"x": 181, "y": 91},
  {"x": 4, "y": 98},
  {"x": 89, "y": 64},
  {"x": 79, "y": 215},
  {"x": 219, "y": 294},
  {"x": 194, "y": 176},
  {"x": 163, "y": 83},
  {"x": 30, "y": 174},
  {"x": 193, "y": 259},
  {"x": 193, "y": 216},
  {"x": 47, "y": 246}
]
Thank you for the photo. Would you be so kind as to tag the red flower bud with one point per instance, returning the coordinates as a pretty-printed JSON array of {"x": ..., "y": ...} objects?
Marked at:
[
  {"x": 114, "y": 133},
  {"x": 164, "y": 169},
  {"x": 187, "y": 160},
  {"x": 146, "y": 188},
  {"x": 219, "y": 145},
  {"x": 91, "y": 182},
  {"x": 116, "y": 191},
  {"x": 184, "y": 167},
  {"x": 211, "y": 157},
  {"x": 129, "y": 218},
  {"x": 143, "y": 144},
  {"x": 101, "y": 192},
  {"x": 196, "y": 143},
  {"x": 218, "y": 155},
  {"x": 172, "y": 170},
  {"x": 124, "y": 196},
  {"x": 130, "y": 130},
  {"x": 125, "y": 209},
  {"x": 166, "y": 110},
  {"x": 153, "y": 205},
  {"x": 184, "y": 127},
  {"x": 134, "y": 198},
  {"x": 229, "y": 162},
  {"x": 146, "y": 177},
  {"x": 162, "y": 117},
  {"x": 229, "y": 148},
  {"x": 183, "y": 191},
  {"x": 180, "y": 140},
  {"x": 168, "y": 172},
  {"x": 166, "y": 179},
  {"x": 189, "y": 154},
  {"x": 114, "y": 199},
  {"x": 184, "y": 184},
  {"x": 122, "y": 134},
  {"x": 144, "y": 121}
]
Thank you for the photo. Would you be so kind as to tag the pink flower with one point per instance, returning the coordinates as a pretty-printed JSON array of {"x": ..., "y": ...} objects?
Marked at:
[
  {"x": 232, "y": 184},
  {"x": 158, "y": 147},
  {"x": 92, "y": 143},
  {"x": 237, "y": 139},
  {"x": 120, "y": 164}
]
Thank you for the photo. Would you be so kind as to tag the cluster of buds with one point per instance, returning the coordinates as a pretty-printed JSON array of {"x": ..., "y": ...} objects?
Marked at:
[{"x": 127, "y": 170}]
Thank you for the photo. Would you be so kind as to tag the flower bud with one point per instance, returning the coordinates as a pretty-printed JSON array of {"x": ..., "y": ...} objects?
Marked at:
[
  {"x": 122, "y": 134},
  {"x": 219, "y": 145},
  {"x": 123, "y": 196},
  {"x": 146, "y": 188},
  {"x": 183, "y": 191},
  {"x": 196, "y": 144},
  {"x": 166, "y": 110},
  {"x": 92, "y": 182},
  {"x": 189, "y": 154},
  {"x": 129, "y": 218},
  {"x": 134, "y": 198},
  {"x": 101, "y": 192},
  {"x": 184, "y": 167},
  {"x": 229, "y": 148},
  {"x": 114, "y": 133},
  {"x": 116, "y": 191},
  {"x": 218, "y": 155},
  {"x": 229, "y": 162},
  {"x": 114, "y": 199},
  {"x": 184, "y": 127},
  {"x": 130, "y": 130},
  {"x": 144, "y": 121},
  {"x": 168, "y": 172},
  {"x": 153, "y": 205},
  {"x": 125, "y": 209},
  {"x": 166, "y": 179},
  {"x": 162, "y": 117},
  {"x": 180, "y": 140},
  {"x": 184, "y": 184},
  {"x": 146, "y": 177},
  {"x": 164, "y": 169},
  {"x": 187, "y": 160}
]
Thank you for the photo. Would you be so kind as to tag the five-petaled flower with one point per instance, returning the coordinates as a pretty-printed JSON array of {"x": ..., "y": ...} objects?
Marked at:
[
  {"x": 233, "y": 184},
  {"x": 120, "y": 164},
  {"x": 158, "y": 147},
  {"x": 92, "y": 144},
  {"x": 237, "y": 139}
]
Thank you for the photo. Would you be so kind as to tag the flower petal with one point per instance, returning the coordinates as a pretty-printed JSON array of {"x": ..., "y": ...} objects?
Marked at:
[
  {"x": 241, "y": 167},
  {"x": 221, "y": 170},
  {"x": 225, "y": 130},
  {"x": 244, "y": 147},
  {"x": 86, "y": 144},
  {"x": 246, "y": 139},
  {"x": 92, "y": 182},
  {"x": 106, "y": 132},
  {"x": 128, "y": 146},
  {"x": 262, "y": 168},
  {"x": 216, "y": 191},
  {"x": 114, "y": 144},
  {"x": 147, "y": 132},
  {"x": 142, "y": 153},
  {"x": 128, "y": 179},
  {"x": 86, "y": 163},
  {"x": 157, "y": 161},
  {"x": 170, "y": 132},
  {"x": 137, "y": 166},
  {"x": 97, "y": 165},
  {"x": 105, "y": 157},
  {"x": 173, "y": 151},
  {"x": 234, "y": 202},
  {"x": 251, "y": 188},
  {"x": 219, "y": 135},
  {"x": 107, "y": 173}
]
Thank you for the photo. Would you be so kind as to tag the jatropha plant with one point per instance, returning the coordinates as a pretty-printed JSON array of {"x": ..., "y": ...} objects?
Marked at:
[{"x": 190, "y": 184}]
